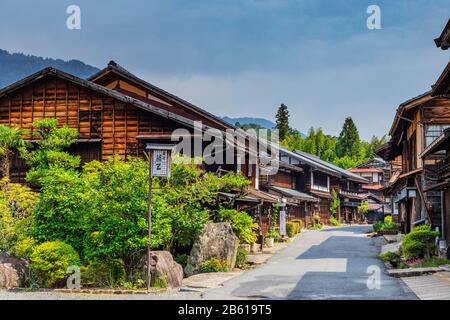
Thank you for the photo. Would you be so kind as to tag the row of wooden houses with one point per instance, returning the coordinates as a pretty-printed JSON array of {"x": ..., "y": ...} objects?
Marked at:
[
  {"x": 117, "y": 113},
  {"x": 418, "y": 157}
]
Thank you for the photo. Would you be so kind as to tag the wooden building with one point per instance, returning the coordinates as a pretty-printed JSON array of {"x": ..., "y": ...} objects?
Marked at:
[
  {"x": 441, "y": 148},
  {"x": 319, "y": 178},
  {"x": 110, "y": 117}
]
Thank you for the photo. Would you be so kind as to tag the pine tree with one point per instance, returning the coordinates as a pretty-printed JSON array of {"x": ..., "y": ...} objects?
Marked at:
[
  {"x": 282, "y": 120},
  {"x": 348, "y": 142}
]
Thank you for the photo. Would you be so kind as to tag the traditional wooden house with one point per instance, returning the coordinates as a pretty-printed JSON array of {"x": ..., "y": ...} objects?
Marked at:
[
  {"x": 318, "y": 179},
  {"x": 418, "y": 122},
  {"x": 443, "y": 41},
  {"x": 111, "y": 118},
  {"x": 441, "y": 148}
]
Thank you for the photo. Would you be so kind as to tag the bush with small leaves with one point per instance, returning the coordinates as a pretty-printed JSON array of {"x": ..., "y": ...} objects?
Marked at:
[
  {"x": 419, "y": 243},
  {"x": 214, "y": 265},
  {"x": 49, "y": 263},
  {"x": 241, "y": 258}
]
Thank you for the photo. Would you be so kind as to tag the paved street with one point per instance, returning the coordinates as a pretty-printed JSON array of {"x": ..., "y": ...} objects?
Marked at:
[{"x": 326, "y": 264}]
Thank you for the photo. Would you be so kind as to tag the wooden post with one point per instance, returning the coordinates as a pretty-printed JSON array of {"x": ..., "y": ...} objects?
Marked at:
[{"x": 150, "y": 185}]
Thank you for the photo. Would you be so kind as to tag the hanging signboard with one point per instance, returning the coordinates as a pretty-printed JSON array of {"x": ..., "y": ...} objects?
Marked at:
[
  {"x": 160, "y": 163},
  {"x": 283, "y": 221}
]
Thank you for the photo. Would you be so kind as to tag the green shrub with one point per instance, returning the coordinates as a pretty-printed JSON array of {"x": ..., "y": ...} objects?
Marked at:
[
  {"x": 291, "y": 229},
  {"x": 273, "y": 234},
  {"x": 334, "y": 222},
  {"x": 17, "y": 203},
  {"x": 103, "y": 273},
  {"x": 214, "y": 265},
  {"x": 300, "y": 223},
  {"x": 182, "y": 259},
  {"x": 242, "y": 224},
  {"x": 419, "y": 243},
  {"x": 393, "y": 258},
  {"x": 388, "y": 219},
  {"x": 241, "y": 258},
  {"x": 24, "y": 248},
  {"x": 49, "y": 263}
]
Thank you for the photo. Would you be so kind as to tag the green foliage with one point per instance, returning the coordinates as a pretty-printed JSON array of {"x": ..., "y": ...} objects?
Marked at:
[
  {"x": 363, "y": 208},
  {"x": 348, "y": 143},
  {"x": 332, "y": 149},
  {"x": 49, "y": 262},
  {"x": 282, "y": 121},
  {"x": 16, "y": 207},
  {"x": 103, "y": 273},
  {"x": 242, "y": 223},
  {"x": 25, "y": 247},
  {"x": 300, "y": 223},
  {"x": 335, "y": 203},
  {"x": 182, "y": 259},
  {"x": 334, "y": 222},
  {"x": 290, "y": 229},
  {"x": 393, "y": 258},
  {"x": 273, "y": 234},
  {"x": 385, "y": 226},
  {"x": 388, "y": 219},
  {"x": 214, "y": 265},
  {"x": 419, "y": 243},
  {"x": 431, "y": 263},
  {"x": 293, "y": 228},
  {"x": 48, "y": 152},
  {"x": 10, "y": 141},
  {"x": 62, "y": 209},
  {"x": 241, "y": 258}
]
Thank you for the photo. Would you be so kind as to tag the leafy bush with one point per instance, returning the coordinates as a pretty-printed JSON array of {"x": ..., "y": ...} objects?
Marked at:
[
  {"x": 387, "y": 225},
  {"x": 300, "y": 223},
  {"x": 182, "y": 259},
  {"x": 242, "y": 223},
  {"x": 50, "y": 260},
  {"x": 419, "y": 243},
  {"x": 388, "y": 219},
  {"x": 214, "y": 265},
  {"x": 393, "y": 258},
  {"x": 25, "y": 247},
  {"x": 103, "y": 273},
  {"x": 291, "y": 229},
  {"x": 273, "y": 234},
  {"x": 17, "y": 203},
  {"x": 334, "y": 222},
  {"x": 241, "y": 258}
]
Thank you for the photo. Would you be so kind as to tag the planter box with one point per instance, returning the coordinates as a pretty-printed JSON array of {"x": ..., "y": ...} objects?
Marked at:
[
  {"x": 270, "y": 242},
  {"x": 255, "y": 247},
  {"x": 387, "y": 232}
]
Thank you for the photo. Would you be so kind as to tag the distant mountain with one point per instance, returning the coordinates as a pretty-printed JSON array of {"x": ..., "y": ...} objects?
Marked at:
[
  {"x": 247, "y": 120},
  {"x": 15, "y": 66}
]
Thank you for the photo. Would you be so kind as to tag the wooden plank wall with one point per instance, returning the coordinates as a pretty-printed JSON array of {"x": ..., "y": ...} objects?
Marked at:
[{"x": 93, "y": 115}]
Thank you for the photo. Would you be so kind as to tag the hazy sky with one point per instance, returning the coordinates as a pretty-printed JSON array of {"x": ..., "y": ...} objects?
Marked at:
[{"x": 244, "y": 58}]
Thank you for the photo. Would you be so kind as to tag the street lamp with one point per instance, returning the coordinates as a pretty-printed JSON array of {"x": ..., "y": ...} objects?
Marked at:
[{"x": 159, "y": 166}]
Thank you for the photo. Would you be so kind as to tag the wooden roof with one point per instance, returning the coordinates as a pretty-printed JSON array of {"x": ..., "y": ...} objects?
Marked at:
[
  {"x": 115, "y": 69},
  {"x": 97, "y": 88},
  {"x": 442, "y": 85},
  {"x": 443, "y": 41}
]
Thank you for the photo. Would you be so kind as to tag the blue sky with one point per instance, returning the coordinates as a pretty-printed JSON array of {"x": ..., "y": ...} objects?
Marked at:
[{"x": 244, "y": 58}]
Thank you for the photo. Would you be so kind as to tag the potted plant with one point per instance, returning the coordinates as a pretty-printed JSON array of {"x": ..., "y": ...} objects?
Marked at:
[{"x": 270, "y": 238}]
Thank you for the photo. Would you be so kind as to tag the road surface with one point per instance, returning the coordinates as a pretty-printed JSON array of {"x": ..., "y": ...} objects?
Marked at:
[{"x": 325, "y": 264}]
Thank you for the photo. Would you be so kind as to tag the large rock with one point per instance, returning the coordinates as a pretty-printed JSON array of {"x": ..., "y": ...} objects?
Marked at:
[
  {"x": 165, "y": 271},
  {"x": 13, "y": 271},
  {"x": 217, "y": 240}
]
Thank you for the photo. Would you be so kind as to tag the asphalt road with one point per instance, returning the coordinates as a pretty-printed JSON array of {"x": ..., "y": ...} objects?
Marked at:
[{"x": 326, "y": 264}]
